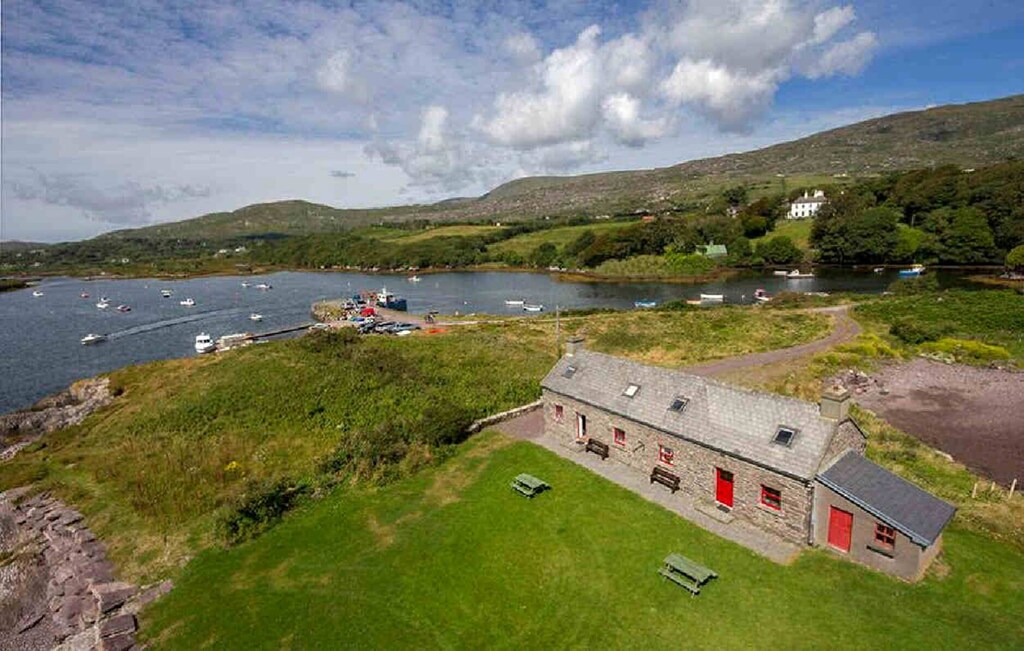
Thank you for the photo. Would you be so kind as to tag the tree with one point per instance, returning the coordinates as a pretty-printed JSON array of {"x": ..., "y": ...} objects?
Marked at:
[
  {"x": 736, "y": 195},
  {"x": 1015, "y": 258},
  {"x": 846, "y": 233},
  {"x": 544, "y": 255},
  {"x": 779, "y": 250},
  {"x": 968, "y": 239},
  {"x": 585, "y": 239}
]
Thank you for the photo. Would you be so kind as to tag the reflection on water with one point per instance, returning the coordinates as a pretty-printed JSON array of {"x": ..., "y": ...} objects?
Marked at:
[{"x": 39, "y": 336}]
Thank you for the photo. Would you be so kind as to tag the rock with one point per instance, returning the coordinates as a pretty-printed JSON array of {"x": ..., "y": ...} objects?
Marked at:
[
  {"x": 118, "y": 626},
  {"x": 28, "y": 622},
  {"x": 98, "y": 572},
  {"x": 70, "y": 517},
  {"x": 117, "y": 643},
  {"x": 112, "y": 595},
  {"x": 151, "y": 594},
  {"x": 94, "y": 549},
  {"x": 84, "y": 536},
  {"x": 84, "y": 641}
]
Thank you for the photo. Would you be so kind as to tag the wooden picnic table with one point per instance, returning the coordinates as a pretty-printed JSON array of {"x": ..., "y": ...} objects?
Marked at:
[
  {"x": 686, "y": 573},
  {"x": 529, "y": 485}
]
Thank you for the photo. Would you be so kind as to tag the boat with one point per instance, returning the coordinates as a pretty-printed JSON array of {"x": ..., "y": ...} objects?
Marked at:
[
  {"x": 761, "y": 296},
  {"x": 245, "y": 284},
  {"x": 913, "y": 272},
  {"x": 37, "y": 293},
  {"x": 255, "y": 317},
  {"x": 414, "y": 279},
  {"x": 514, "y": 303},
  {"x": 264, "y": 286},
  {"x": 796, "y": 274},
  {"x": 166, "y": 293},
  {"x": 103, "y": 304},
  {"x": 123, "y": 308},
  {"x": 527, "y": 307},
  {"x": 780, "y": 272},
  {"x": 388, "y": 300},
  {"x": 712, "y": 298},
  {"x": 204, "y": 343},
  {"x": 878, "y": 270},
  {"x": 645, "y": 304},
  {"x": 188, "y": 302},
  {"x": 84, "y": 294},
  {"x": 92, "y": 338}
]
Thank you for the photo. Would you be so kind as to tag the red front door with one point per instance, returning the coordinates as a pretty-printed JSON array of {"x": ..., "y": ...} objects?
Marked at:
[
  {"x": 723, "y": 487},
  {"x": 840, "y": 528}
]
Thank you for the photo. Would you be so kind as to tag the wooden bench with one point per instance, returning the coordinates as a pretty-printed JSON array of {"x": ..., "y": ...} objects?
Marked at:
[
  {"x": 529, "y": 485},
  {"x": 664, "y": 477},
  {"x": 598, "y": 448},
  {"x": 686, "y": 573}
]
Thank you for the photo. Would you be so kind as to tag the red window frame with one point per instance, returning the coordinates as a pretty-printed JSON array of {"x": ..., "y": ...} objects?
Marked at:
[
  {"x": 559, "y": 413},
  {"x": 771, "y": 497},
  {"x": 619, "y": 436},
  {"x": 666, "y": 455},
  {"x": 885, "y": 536}
]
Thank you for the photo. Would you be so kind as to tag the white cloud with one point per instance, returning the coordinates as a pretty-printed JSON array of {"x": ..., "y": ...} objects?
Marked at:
[
  {"x": 732, "y": 98},
  {"x": 848, "y": 57},
  {"x": 523, "y": 47},
  {"x": 622, "y": 113},
  {"x": 336, "y": 76},
  {"x": 828, "y": 23}
]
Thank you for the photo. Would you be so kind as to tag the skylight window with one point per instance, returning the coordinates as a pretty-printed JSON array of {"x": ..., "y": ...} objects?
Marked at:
[
  {"x": 569, "y": 371},
  {"x": 631, "y": 390},
  {"x": 678, "y": 404},
  {"x": 784, "y": 436}
]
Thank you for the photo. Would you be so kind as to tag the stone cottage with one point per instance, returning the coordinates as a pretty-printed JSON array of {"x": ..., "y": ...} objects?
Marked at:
[{"x": 793, "y": 469}]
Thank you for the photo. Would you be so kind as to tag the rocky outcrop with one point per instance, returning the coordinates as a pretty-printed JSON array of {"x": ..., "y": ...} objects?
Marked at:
[
  {"x": 57, "y": 590},
  {"x": 52, "y": 413}
]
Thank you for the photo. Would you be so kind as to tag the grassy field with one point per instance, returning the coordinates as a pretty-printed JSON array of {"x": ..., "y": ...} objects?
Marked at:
[
  {"x": 452, "y": 558},
  {"x": 526, "y": 243},
  {"x": 798, "y": 230},
  {"x": 456, "y": 230}
]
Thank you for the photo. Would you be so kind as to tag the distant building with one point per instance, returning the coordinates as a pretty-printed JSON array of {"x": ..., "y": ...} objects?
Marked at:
[
  {"x": 806, "y": 206},
  {"x": 713, "y": 250},
  {"x": 794, "y": 470}
]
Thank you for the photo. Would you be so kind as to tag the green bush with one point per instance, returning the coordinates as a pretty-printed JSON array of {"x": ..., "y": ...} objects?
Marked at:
[
  {"x": 913, "y": 331},
  {"x": 915, "y": 285},
  {"x": 967, "y": 350},
  {"x": 259, "y": 507}
]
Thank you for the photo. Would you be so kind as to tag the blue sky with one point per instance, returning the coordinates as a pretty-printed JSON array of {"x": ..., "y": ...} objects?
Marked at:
[{"x": 124, "y": 114}]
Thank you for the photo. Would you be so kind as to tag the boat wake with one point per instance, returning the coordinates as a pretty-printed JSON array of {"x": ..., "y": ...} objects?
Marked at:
[{"x": 168, "y": 323}]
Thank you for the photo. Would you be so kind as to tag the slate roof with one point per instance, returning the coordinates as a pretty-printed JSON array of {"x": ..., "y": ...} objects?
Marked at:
[
  {"x": 811, "y": 200},
  {"x": 890, "y": 498},
  {"x": 731, "y": 419}
]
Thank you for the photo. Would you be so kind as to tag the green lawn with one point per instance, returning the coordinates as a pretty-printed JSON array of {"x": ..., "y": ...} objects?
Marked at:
[
  {"x": 798, "y": 230},
  {"x": 453, "y": 558},
  {"x": 525, "y": 244}
]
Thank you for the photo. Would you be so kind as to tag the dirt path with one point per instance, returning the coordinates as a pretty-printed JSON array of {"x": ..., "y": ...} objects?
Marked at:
[{"x": 844, "y": 330}]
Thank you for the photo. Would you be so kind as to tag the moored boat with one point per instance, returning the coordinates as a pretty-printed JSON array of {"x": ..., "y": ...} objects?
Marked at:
[
  {"x": 712, "y": 298},
  {"x": 878, "y": 270},
  {"x": 103, "y": 303},
  {"x": 645, "y": 304},
  {"x": 37, "y": 293},
  {"x": 264, "y": 286},
  {"x": 204, "y": 343},
  {"x": 123, "y": 308},
  {"x": 188, "y": 302},
  {"x": 92, "y": 338},
  {"x": 913, "y": 272},
  {"x": 780, "y": 272},
  {"x": 514, "y": 303},
  {"x": 84, "y": 295},
  {"x": 527, "y": 307},
  {"x": 414, "y": 279},
  {"x": 388, "y": 300},
  {"x": 245, "y": 284},
  {"x": 761, "y": 296},
  {"x": 255, "y": 317},
  {"x": 796, "y": 274},
  {"x": 166, "y": 293}
]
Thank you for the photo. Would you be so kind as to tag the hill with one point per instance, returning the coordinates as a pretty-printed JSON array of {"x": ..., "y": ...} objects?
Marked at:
[{"x": 968, "y": 135}]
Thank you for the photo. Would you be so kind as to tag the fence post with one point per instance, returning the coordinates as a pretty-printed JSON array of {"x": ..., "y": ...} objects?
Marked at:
[
  {"x": 974, "y": 491},
  {"x": 1013, "y": 487}
]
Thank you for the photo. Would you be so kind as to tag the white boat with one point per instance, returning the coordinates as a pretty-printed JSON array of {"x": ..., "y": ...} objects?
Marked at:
[
  {"x": 123, "y": 308},
  {"x": 92, "y": 338},
  {"x": 414, "y": 279},
  {"x": 204, "y": 343},
  {"x": 712, "y": 298},
  {"x": 644, "y": 304},
  {"x": 878, "y": 270},
  {"x": 103, "y": 304},
  {"x": 780, "y": 272},
  {"x": 514, "y": 303},
  {"x": 166, "y": 293},
  {"x": 761, "y": 296},
  {"x": 264, "y": 286},
  {"x": 188, "y": 302},
  {"x": 245, "y": 284},
  {"x": 913, "y": 272},
  {"x": 37, "y": 293},
  {"x": 532, "y": 308},
  {"x": 84, "y": 294},
  {"x": 255, "y": 317},
  {"x": 796, "y": 274}
]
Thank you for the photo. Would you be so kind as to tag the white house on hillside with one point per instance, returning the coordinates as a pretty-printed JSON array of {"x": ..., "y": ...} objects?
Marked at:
[{"x": 806, "y": 206}]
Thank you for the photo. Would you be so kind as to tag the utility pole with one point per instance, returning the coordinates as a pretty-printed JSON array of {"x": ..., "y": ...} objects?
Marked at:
[{"x": 558, "y": 334}]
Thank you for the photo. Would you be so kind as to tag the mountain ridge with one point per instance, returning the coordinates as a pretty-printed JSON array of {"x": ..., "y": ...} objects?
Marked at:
[{"x": 971, "y": 134}]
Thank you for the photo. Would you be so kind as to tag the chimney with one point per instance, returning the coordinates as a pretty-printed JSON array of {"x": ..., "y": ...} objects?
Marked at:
[
  {"x": 835, "y": 403},
  {"x": 573, "y": 344}
]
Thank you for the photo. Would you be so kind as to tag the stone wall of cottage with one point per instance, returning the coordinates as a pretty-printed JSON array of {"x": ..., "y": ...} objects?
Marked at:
[
  {"x": 906, "y": 560},
  {"x": 846, "y": 437},
  {"x": 694, "y": 464}
]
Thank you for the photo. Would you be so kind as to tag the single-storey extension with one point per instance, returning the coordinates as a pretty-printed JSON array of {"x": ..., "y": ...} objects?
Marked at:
[{"x": 789, "y": 467}]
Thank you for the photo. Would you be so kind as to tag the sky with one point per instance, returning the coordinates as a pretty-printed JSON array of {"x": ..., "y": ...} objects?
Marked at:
[{"x": 118, "y": 115}]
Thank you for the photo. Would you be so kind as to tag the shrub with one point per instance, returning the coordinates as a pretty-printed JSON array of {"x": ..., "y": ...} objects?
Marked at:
[
  {"x": 911, "y": 286},
  {"x": 259, "y": 507},
  {"x": 913, "y": 331},
  {"x": 967, "y": 350}
]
